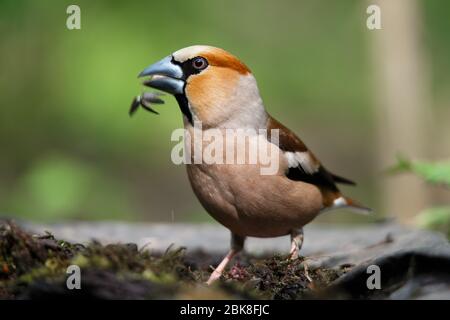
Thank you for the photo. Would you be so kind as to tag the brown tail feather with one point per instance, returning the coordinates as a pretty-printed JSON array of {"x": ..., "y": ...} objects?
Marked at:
[
  {"x": 337, "y": 201},
  {"x": 357, "y": 207}
]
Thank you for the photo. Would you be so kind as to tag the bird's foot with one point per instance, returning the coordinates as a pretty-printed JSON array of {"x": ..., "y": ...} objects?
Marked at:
[
  {"x": 215, "y": 275},
  {"x": 306, "y": 271},
  {"x": 296, "y": 243},
  {"x": 237, "y": 243},
  {"x": 294, "y": 253}
]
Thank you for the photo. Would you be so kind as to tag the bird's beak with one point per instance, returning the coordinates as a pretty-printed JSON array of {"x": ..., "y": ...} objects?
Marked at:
[{"x": 166, "y": 76}]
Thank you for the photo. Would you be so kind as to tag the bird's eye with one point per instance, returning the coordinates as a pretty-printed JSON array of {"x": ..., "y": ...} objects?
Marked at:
[{"x": 199, "y": 63}]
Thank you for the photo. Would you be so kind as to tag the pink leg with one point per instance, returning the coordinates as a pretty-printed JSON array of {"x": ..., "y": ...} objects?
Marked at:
[
  {"x": 218, "y": 271},
  {"x": 237, "y": 244},
  {"x": 296, "y": 242},
  {"x": 296, "y": 245}
]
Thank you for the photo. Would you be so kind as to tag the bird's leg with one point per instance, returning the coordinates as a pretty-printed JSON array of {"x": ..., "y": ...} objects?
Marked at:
[
  {"x": 237, "y": 244},
  {"x": 296, "y": 242},
  {"x": 296, "y": 245}
]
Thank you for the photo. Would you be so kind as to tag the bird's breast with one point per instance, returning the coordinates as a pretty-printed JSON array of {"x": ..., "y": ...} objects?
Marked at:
[{"x": 240, "y": 194}]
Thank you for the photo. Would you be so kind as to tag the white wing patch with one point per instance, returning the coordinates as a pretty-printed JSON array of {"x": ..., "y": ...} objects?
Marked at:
[{"x": 303, "y": 160}]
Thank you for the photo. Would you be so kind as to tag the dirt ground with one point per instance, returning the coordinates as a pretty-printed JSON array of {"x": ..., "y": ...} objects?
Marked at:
[
  {"x": 414, "y": 264},
  {"x": 34, "y": 266}
]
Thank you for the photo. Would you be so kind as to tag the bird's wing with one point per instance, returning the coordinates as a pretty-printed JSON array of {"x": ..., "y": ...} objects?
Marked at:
[{"x": 303, "y": 165}]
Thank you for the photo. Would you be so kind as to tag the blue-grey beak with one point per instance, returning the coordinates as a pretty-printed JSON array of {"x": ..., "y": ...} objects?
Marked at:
[{"x": 166, "y": 76}]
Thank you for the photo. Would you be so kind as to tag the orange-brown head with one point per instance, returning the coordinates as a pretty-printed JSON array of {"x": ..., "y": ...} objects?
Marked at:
[{"x": 210, "y": 85}]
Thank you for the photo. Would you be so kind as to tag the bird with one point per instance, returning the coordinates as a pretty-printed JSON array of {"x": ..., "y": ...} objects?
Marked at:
[{"x": 217, "y": 90}]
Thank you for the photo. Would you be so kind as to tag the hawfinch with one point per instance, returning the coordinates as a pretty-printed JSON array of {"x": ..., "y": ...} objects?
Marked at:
[{"x": 216, "y": 90}]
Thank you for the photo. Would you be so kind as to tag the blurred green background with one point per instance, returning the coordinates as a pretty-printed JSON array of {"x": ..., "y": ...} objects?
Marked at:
[{"x": 69, "y": 150}]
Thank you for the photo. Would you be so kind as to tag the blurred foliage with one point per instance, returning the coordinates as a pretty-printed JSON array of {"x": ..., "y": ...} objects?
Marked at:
[
  {"x": 437, "y": 218},
  {"x": 58, "y": 188},
  {"x": 69, "y": 150},
  {"x": 436, "y": 173}
]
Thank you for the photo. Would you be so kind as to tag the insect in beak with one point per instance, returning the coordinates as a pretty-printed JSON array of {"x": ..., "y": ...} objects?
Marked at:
[{"x": 145, "y": 101}]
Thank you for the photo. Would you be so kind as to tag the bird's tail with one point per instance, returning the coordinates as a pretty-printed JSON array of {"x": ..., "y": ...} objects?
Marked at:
[
  {"x": 356, "y": 206},
  {"x": 343, "y": 202}
]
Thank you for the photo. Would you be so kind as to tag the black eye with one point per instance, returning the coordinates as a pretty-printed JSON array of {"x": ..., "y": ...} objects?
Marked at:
[{"x": 199, "y": 63}]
